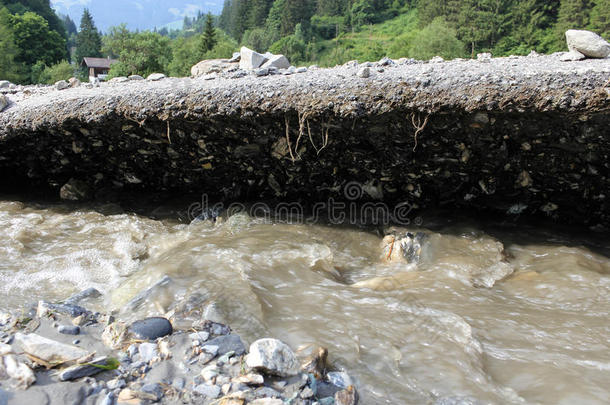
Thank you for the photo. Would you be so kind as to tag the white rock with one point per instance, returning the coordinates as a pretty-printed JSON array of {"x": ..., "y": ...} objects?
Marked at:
[
  {"x": 364, "y": 72},
  {"x": 209, "y": 66},
  {"x": 261, "y": 72},
  {"x": 301, "y": 69},
  {"x": 437, "y": 59},
  {"x": 119, "y": 79},
  {"x": 62, "y": 85},
  {"x": 588, "y": 43},
  {"x": 267, "y": 401},
  {"x": 484, "y": 57},
  {"x": 49, "y": 351},
  {"x": 572, "y": 56},
  {"x": 5, "y": 84},
  {"x": 135, "y": 77},
  {"x": 148, "y": 351},
  {"x": 156, "y": 77},
  {"x": 277, "y": 61},
  {"x": 19, "y": 372},
  {"x": 250, "y": 59},
  {"x": 272, "y": 357}
]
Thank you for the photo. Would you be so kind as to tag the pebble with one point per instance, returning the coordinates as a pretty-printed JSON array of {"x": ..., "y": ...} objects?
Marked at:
[
  {"x": 200, "y": 336},
  {"x": 148, "y": 351},
  {"x": 208, "y": 391},
  {"x": 151, "y": 328},
  {"x": 156, "y": 76},
  {"x": 364, "y": 72},
  {"x": 155, "y": 390},
  {"x": 69, "y": 330}
]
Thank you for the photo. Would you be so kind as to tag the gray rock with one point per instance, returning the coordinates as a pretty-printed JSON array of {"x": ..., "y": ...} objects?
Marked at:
[
  {"x": 211, "y": 349},
  {"x": 364, "y": 72},
  {"x": 48, "y": 350},
  {"x": 235, "y": 58},
  {"x": 261, "y": 72},
  {"x": 437, "y": 59},
  {"x": 385, "y": 61},
  {"x": 572, "y": 56},
  {"x": 148, "y": 351},
  {"x": 3, "y": 102},
  {"x": 457, "y": 401},
  {"x": 83, "y": 295},
  {"x": 250, "y": 59},
  {"x": 135, "y": 77},
  {"x": 144, "y": 295},
  {"x": 272, "y": 356},
  {"x": 74, "y": 82},
  {"x": 348, "y": 396},
  {"x": 75, "y": 190},
  {"x": 151, "y": 328},
  {"x": 267, "y": 401},
  {"x": 339, "y": 379},
  {"x": 277, "y": 61},
  {"x": 119, "y": 79},
  {"x": 62, "y": 85},
  {"x": 5, "y": 84},
  {"x": 266, "y": 392},
  {"x": 200, "y": 336},
  {"x": 109, "y": 399},
  {"x": 156, "y": 390},
  {"x": 69, "y": 329},
  {"x": 208, "y": 391},
  {"x": 228, "y": 343},
  {"x": 587, "y": 43},
  {"x": 83, "y": 370},
  {"x": 302, "y": 69},
  {"x": 155, "y": 77},
  {"x": 206, "y": 67}
]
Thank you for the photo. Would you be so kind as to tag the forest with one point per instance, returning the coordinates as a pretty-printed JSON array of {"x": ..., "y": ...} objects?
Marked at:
[{"x": 38, "y": 46}]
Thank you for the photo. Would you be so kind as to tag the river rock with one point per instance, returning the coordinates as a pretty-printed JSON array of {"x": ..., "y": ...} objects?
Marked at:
[
  {"x": 277, "y": 61},
  {"x": 208, "y": 391},
  {"x": 18, "y": 372},
  {"x": 73, "y": 311},
  {"x": 69, "y": 329},
  {"x": 348, "y": 396},
  {"x": 209, "y": 66},
  {"x": 83, "y": 370},
  {"x": 75, "y": 190},
  {"x": 267, "y": 401},
  {"x": 272, "y": 357},
  {"x": 3, "y": 102},
  {"x": 151, "y": 328},
  {"x": 83, "y": 295},
  {"x": 156, "y": 390},
  {"x": 49, "y": 351},
  {"x": 251, "y": 59},
  {"x": 340, "y": 379},
  {"x": 364, "y": 72},
  {"x": 155, "y": 77},
  {"x": 148, "y": 352},
  {"x": 62, "y": 85},
  {"x": 228, "y": 343},
  {"x": 119, "y": 79},
  {"x": 587, "y": 43}
]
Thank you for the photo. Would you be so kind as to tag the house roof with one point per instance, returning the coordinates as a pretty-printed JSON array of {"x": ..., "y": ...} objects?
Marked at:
[{"x": 101, "y": 63}]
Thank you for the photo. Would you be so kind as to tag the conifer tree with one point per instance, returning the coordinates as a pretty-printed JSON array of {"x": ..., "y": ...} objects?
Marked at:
[
  {"x": 88, "y": 40},
  {"x": 208, "y": 38},
  {"x": 573, "y": 14}
]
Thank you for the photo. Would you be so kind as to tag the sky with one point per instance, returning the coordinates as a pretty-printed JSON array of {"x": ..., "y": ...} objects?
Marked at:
[{"x": 138, "y": 14}]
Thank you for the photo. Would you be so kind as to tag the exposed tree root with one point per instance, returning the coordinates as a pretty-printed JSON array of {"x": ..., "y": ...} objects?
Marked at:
[{"x": 419, "y": 126}]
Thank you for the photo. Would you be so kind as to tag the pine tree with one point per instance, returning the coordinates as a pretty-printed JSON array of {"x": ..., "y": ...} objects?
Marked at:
[
  {"x": 573, "y": 14},
  {"x": 208, "y": 38},
  {"x": 88, "y": 40}
]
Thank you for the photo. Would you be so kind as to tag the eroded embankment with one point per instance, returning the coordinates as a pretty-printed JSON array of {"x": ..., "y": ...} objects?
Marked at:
[{"x": 525, "y": 135}]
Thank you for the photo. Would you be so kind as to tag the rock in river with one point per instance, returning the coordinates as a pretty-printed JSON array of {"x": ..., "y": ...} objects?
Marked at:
[
  {"x": 272, "y": 357},
  {"x": 151, "y": 328}
]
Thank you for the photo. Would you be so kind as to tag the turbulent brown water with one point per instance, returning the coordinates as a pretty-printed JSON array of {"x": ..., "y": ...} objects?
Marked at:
[{"x": 496, "y": 314}]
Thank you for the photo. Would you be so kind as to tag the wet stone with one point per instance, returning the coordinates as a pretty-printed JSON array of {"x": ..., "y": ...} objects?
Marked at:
[
  {"x": 346, "y": 397},
  {"x": 151, "y": 328},
  {"x": 208, "y": 391},
  {"x": 83, "y": 370},
  {"x": 228, "y": 343},
  {"x": 69, "y": 329},
  {"x": 340, "y": 379},
  {"x": 156, "y": 390},
  {"x": 272, "y": 356}
]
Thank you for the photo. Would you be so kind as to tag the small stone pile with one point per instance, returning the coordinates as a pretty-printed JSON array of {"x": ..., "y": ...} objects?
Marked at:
[{"x": 107, "y": 361}]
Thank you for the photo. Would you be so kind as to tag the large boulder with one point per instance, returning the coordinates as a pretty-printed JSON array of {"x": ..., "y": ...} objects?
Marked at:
[
  {"x": 587, "y": 43},
  {"x": 251, "y": 59},
  {"x": 273, "y": 357},
  {"x": 206, "y": 67},
  {"x": 277, "y": 61}
]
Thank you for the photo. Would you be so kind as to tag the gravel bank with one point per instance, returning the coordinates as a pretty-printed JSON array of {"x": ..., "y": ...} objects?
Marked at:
[{"x": 525, "y": 135}]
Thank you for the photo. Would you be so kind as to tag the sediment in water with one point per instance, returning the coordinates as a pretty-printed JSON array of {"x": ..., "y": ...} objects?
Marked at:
[{"x": 515, "y": 135}]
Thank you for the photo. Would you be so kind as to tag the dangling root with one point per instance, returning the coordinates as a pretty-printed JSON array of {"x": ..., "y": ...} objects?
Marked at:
[
  {"x": 419, "y": 126},
  {"x": 169, "y": 139},
  {"x": 287, "y": 122},
  {"x": 324, "y": 139}
]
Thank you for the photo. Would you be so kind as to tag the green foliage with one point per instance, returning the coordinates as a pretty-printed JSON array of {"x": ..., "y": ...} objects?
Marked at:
[
  {"x": 208, "y": 39},
  {"x": 88, "y": 40},
  {"x": 437, "y": 38},
  {"x": 363, "y": 13},
  {"x": 143, "y": 53},
  {"x": 291, "y": 47},
  {"x": 185, "y": 53},
  {"x": 600, "y": 18},
  {"x": 52, "y": 74},
  {"x": 256, "y": 39},
  {"x": 117, "y": 39},
  {"x": 9, "y": 69}
]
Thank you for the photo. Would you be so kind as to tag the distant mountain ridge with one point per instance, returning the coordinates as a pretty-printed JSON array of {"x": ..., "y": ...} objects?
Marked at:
[{"x": 137, "y": 14}]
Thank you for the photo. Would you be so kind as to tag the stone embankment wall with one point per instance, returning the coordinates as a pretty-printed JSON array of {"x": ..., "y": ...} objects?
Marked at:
[{"x": 515, "y": 135}]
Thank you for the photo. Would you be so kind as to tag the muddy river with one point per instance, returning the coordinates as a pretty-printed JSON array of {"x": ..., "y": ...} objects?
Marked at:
[{"x": 486, "y": 313}]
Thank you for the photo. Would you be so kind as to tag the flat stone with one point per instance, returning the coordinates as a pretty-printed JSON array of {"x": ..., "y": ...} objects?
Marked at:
[
  {"x": 83, "y": 295},
  {"x": 206, "y": 67},
  {"x": 208, "y": 391},
  {"x": 277, "y": 61},
  {"x": 49, "y": 351},
  {"x": 228, "y": 343},
  {"x": 156, "y": 390},
  {"x": 155, "y": 77},
  {"x": 267, "y": 401},
  {"x": 151, "y": 328},
  {"x": 5, "y": 84},
  {"x": 261, "y": 72},
  {"x": 69, "y": 329},
  {"x": 200, "y": 336},
  {"x": 83, "y": 370},
  {"x": 251, "y": 59},
  {"x": 272, "y": 356},
  {"x": 572, "y": 56}
]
